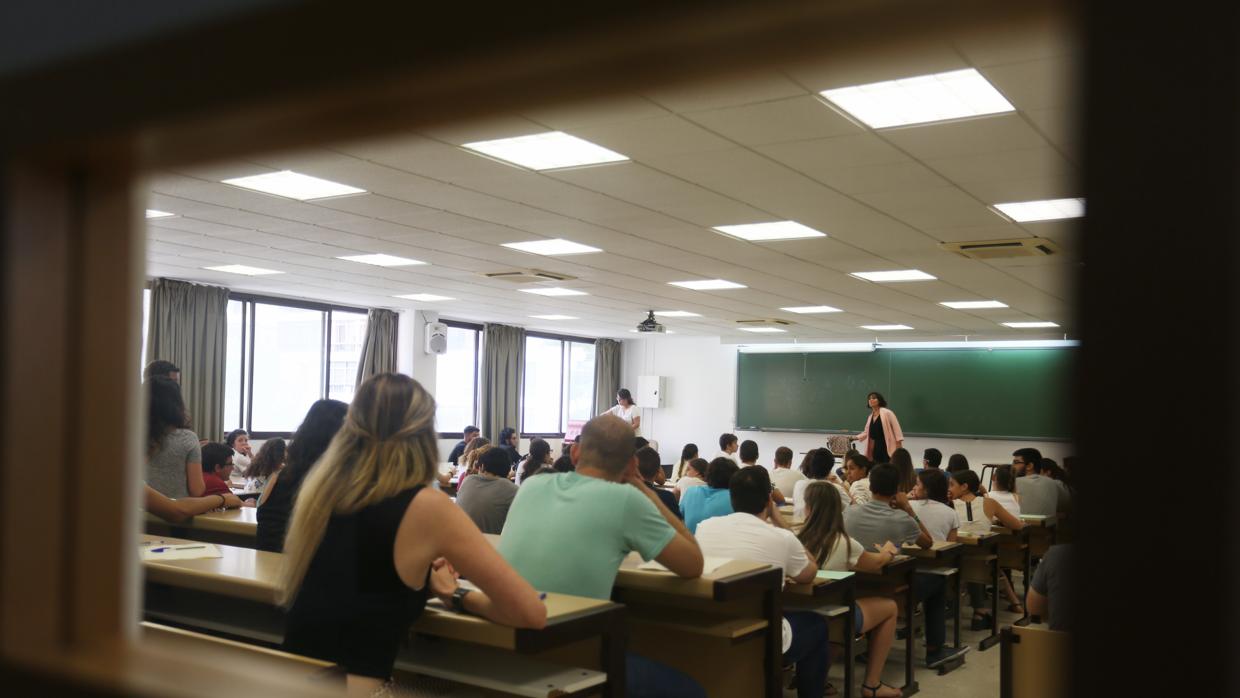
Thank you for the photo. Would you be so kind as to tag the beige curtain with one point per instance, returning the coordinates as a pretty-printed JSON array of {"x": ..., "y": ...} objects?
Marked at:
[
  {"x": 606, "y": 374},
  {"x": 503, "y": 363},
  {"x": 189, "y": 327},
  {"x": 379, "y": 348}
]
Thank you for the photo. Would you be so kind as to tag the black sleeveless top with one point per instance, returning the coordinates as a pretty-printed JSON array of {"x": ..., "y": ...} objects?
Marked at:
[
  {"x": 879, "y": 452},
  {"x": 352, "y": 608},
  {"x": 274, "y": 514}
]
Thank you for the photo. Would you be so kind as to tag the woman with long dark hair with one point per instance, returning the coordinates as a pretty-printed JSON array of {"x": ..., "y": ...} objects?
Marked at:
[
  {"x": 173, "y": 454},
  {"x": 539, "y": 455},
  {"x": 627, "y": 410},
  {"x": 267, "y": 462},
  {"x": 687, "y": 454}
]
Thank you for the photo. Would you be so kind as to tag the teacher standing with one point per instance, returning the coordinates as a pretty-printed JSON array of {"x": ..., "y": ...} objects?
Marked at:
[
  {"x": 882, "y": 435},
  {"x": 626, "y": 410}
]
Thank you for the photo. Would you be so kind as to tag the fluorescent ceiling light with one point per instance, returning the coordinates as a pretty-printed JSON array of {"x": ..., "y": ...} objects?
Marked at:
[
  {"x": 765, "y": 232},
  {"x": 293, "y": 185},
  {"x": 707, "y": 285},
  {"x": 885, "y": 328},
  {"x": 1046, "y": 210},
  {"x": 985, "y": 344},
  {"x": 920, "y": 100},
  {"x": 381, "y": 260},
  {"x": 243, "y": 269},
  {"x": 762, "y": 330},
  {"x": 546, "y": 151},
  {"x": 554, "y": 317},
  {"x": 554, "y": 246},
  {"x": 425, "y": 297},
  {"x": 784, "y": 348},
  {"x": 676, "y": 313},
  {"x": 805, "y": 309},
  {"x": 152, "y": 213},
  {"x": 973, "y": 305},
  {"x": 892, "y": 276},
  {"x": 554, "y": 291},
  {"x": 1029, "y": 325}
]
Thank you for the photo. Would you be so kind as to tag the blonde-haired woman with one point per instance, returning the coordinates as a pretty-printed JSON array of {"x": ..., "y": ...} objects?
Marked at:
[{"x": 370, "y": 541}]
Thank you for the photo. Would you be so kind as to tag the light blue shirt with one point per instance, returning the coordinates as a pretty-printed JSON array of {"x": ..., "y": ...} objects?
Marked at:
[{"x": 701, "y": 503}]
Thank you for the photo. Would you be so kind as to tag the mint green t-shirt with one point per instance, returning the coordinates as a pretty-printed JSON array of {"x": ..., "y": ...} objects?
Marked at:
[{"x": 568, "y": 533}]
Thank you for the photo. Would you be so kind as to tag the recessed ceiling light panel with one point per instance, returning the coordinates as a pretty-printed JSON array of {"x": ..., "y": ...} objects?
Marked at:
[
  {"x": 807, "y": 309},
  {"x": 707, "y": 285},
  {"x": 243, "y": 270},
  {"x": 1029, "y": 325},
  {"x": 884, "y": 277},
  {"x": 973, "y": 305},
  {"x": 766, "y": 232},
  {"x": 554, "y": 291},
  {"x": 920, "y": 100},
  {"x": 762, "y": 330},
  {"x": 551, "y": 247},
  {"x": 152, "y": 213},
  {"x": 425, "y": 297},
  {"x": 1046, "y": 210},
  {"x": 554, "y": 317},
  {"x": 546, "y": 151},
  {"x": 381, "y": 260},
  {"x": 885, "y": 328},
  {"x": 676, "y": 313},
  {"x": 294, "y": 185}
]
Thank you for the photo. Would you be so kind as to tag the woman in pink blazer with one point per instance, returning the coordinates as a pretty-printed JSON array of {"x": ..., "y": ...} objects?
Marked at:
[{"x": 882, "y": 433}]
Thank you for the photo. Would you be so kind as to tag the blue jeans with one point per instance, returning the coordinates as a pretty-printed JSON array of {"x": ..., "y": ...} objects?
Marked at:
[
  {"x": 647, "y": 678},
  {"x": 809, "y": 651},
  {"x": 931, "y": 591}
]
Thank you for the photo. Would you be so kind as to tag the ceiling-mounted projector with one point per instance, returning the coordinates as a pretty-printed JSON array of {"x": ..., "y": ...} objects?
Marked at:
[{"x": 650, "y": 325}]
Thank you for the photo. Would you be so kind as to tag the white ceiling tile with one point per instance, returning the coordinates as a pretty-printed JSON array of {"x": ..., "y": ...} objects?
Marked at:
[
  {"x": 941, "y": 207},
  {"x": 1040, "y": 84},
  {"x": 1018, "y": 42},
  {"x": 747, "y": 88},
  {"x": 594, "y": 112},
  {"x": 778, "y": 121},
  {"x": 984, "y": 134},
  {"x": 667, "y": 135}
]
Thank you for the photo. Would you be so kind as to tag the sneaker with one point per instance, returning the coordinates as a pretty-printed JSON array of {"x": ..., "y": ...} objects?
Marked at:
[{"x": 944, "y": 654}]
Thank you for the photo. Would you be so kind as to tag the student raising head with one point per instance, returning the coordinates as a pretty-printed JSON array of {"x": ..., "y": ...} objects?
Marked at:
[
  {"x": 174, "y": 457},
  {"x": 701, "y": 503},
  {"x": 217, "y": 466},
  {"x": 857, "y": 472},
  {"x": 727, "y": 447},
  {"x": 976, "y": 514},
  {"x": 932, "y": 505},
  {"x": 321, "y": 423},
  {"x": 364, "y": 546}
]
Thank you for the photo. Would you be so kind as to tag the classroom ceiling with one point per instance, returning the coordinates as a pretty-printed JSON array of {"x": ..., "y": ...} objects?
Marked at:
[{"x": 752, "y": 148}]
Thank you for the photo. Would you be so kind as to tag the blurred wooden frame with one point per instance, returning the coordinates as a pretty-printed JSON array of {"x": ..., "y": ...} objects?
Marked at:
[{"x": 294, "y": 75}]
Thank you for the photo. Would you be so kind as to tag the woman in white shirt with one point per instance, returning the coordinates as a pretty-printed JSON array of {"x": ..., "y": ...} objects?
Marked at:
[
  {"x": 929, "y": 500},
  {"x": 1004, "y": 491},
  {"x": 824, "y": 537},
  {"x": 694, "y": 476},
  {"x": 857, "y": 472},
  {"x": 976, "y": 515},
  {"x": 687, "y": 455},
  {"x": 625, "y": 409}
]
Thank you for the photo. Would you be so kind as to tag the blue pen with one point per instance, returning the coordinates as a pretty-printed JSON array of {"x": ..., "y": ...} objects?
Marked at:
[{"x": 542, "y": 596}]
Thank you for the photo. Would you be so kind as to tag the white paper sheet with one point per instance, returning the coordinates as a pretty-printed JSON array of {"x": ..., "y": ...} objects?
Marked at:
[{"x": 183, "y": 551}]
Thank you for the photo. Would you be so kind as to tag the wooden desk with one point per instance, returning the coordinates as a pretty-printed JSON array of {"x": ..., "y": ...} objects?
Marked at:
[
  {"x": 939, "y": 556},
  {"x": 984, "y": 549},
  {"x": 834, "y": 595},
  {"x": 897, "y": 577},
  {"x": 235, "y": 596},
  {"x": 235, "y": 527}
]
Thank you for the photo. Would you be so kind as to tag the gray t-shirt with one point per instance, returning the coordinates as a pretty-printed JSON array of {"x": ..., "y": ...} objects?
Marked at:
[
  {"x": 1041, "y": 495},
  {"x": 486, "y": 500},
  {"x": 165, "y": 471},
  {"x": 1051, "y": 580},
  {"x": 876, "y": 522}
]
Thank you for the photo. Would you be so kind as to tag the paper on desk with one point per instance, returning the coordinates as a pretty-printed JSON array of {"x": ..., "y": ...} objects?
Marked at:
[
  {"x": 833, "y": 574},
  {"x": 709, "y": 564},
  {"x": 186, "y": 551}
]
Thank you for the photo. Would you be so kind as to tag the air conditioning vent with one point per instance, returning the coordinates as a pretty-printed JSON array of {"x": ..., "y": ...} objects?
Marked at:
[
  {"x": 1003, "y": 249},
  {"x": 775, "y": 321},
  {"x": 527, "y": 276}
]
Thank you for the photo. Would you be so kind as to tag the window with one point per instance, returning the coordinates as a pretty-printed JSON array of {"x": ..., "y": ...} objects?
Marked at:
[
  {"x": 282, "y": 356},
  {"x": 558, "y": 392},
  {"x": 456, "y": 380},
  {"x": 146, "y": 323}
]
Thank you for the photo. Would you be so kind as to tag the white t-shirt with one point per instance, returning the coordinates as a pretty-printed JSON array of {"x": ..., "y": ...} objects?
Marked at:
[
  {"x": 843, "y": 558},
  {"x": 688, "y": 481},
  {"x": 1007, "y": 500},
  {"x": 980, "y": 522},
  {"x": 798, "y": 495},
  {"x": 786, "y": 479},
  {"x": 627, "y": 414},
  {"x": 938, "y": 518},
  {"x": 744, "y": 536},
  {"x": 860, "y": 491},
  {"x": 733, "y": 456}
]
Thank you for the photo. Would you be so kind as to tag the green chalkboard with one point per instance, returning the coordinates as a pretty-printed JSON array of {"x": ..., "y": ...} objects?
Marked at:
[{"x": 984, "y": 393}]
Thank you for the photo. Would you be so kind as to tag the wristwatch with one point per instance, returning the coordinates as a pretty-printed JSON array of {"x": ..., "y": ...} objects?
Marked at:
[{"x": 458, "y": 599}]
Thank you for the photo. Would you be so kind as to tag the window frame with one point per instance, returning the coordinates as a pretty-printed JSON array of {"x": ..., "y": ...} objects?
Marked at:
[
  {"x": 565, "y": 356},
  {"x": 248, "y": 301},
  {"x": 478, "y": 329}
]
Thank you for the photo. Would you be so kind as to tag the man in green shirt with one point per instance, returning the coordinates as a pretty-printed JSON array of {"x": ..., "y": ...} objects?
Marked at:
[{"x": 569, "y": 532}]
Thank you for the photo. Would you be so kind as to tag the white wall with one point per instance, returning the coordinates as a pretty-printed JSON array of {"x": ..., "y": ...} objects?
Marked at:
[{"x": 701, "y": 405}]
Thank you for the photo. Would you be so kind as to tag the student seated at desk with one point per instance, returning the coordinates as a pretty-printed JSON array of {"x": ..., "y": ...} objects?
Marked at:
[
  {"x": 688, "y": 454},
  {"x": 569, "y": 532},
  {"x": 1004, "y": 492},
  {"x": 174, "y": 456},
  {"x": 756, "y": 532},
  {"x": 822, "y": 462},
  {"x": 933, "y": 506},
  {"x": 217, "y": 466},
  {"x": 266, "y": 464},
  {"x": 563, "y": 464},
  {"x": 370, "y": 541},
  {"x": 931, "y": 459},
  {"x": 486, "y": 495},
  {"x": 468, "y": 434},
  {"x": 959, "y": 464},
  {"x": 1051, "y": 597},
  {"x": 1041, "y": 495},
  {"x": 648, "y": 467},
  {"x": 783, "y": 476},
  {"x": 183, "y": 509},
  {"x": 903, "y": 460},
  {"x": 977, "y": 514},
  {"x": 1023, "y": 460},
  {"x": 890, "y": 518},
  {"x": 857, "y": 473},
  {"x": 700, "y": 503},
  {"x": 539, "y": 455},
  {"x": 728, "y": 445},
  {"x": 693, "y": 475},
  {"x": 824, "y": 537},
  {"x": 749, "y": 457},
  {"x": 275, "y": 507}
]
